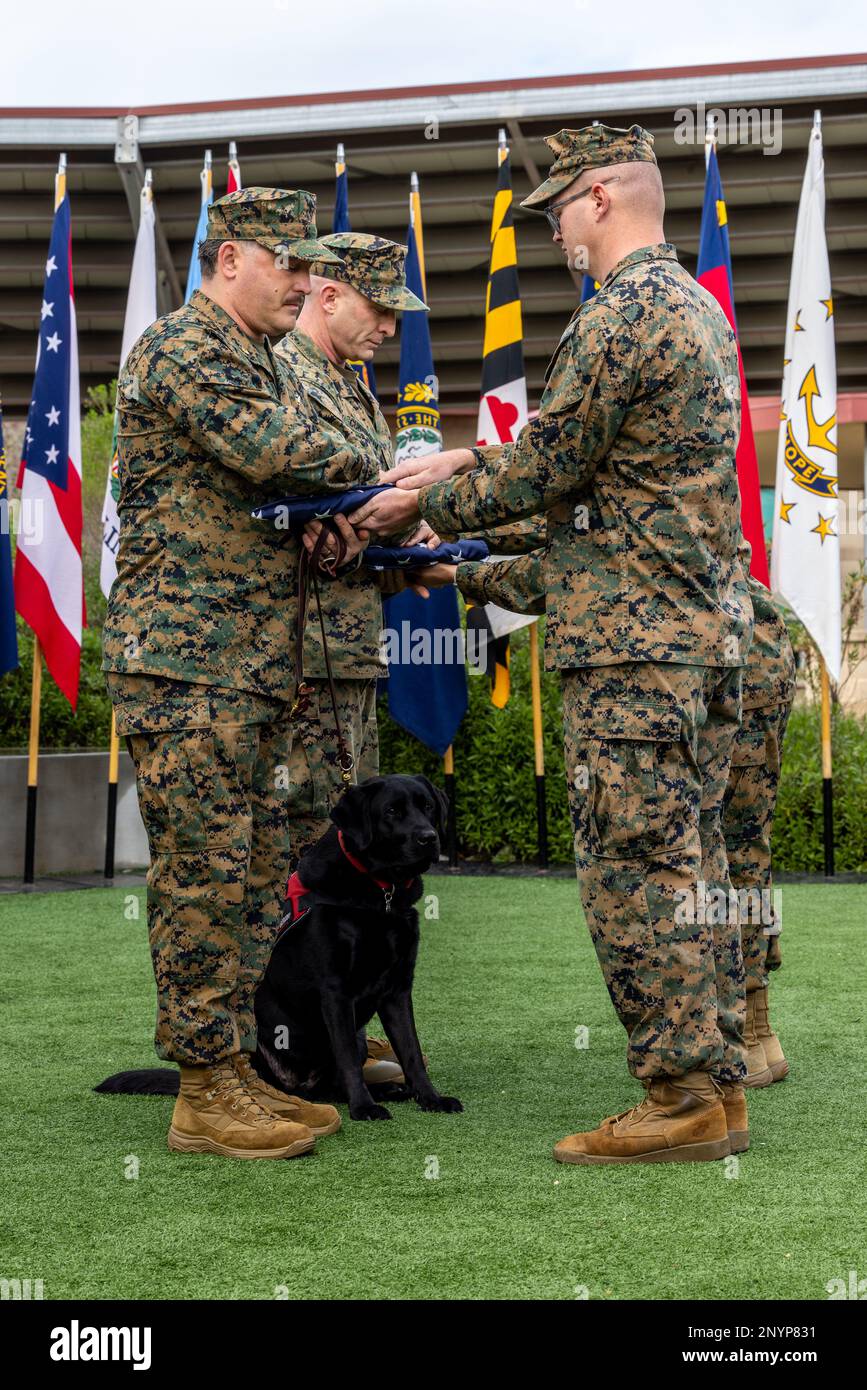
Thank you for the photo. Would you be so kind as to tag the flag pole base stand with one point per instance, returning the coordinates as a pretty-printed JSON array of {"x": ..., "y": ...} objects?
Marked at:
[
  {"x": 451, "y": 822},
  {"x": 828, "y": 823},
  {"x": 542, "y": 822},
  {"x": 30, "y": 838}
]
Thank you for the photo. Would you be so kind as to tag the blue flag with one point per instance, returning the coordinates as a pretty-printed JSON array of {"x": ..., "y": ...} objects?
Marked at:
[
  {"x": 588, "y": 288},
  {"x": 341, "y": 223},
  {"x": 8, "y": 635},
  {"x": 426, "y": 695},
  {"x": 194, "y": 274}
]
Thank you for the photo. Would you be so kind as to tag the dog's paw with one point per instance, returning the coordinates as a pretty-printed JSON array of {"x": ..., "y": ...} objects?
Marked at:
[
  {"x": 370, "y": 1112},
  {"x": 450, "y": 1104}
]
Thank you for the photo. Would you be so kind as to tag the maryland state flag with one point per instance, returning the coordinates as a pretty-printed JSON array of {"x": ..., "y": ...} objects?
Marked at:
[
  {"x": 503, "y": 406},
  {"x": 714, "y": 271},
  {"x": 341, "y": 223}
]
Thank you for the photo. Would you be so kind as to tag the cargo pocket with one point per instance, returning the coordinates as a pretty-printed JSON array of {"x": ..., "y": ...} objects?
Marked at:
[
  {"x": 757, "y": 743},
  {"x": 644, "y": 789},
  {"x": 192, "y": 789}
]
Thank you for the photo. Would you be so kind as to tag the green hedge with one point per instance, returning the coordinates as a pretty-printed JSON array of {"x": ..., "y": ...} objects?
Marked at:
[{"x": 494, "y": 767}]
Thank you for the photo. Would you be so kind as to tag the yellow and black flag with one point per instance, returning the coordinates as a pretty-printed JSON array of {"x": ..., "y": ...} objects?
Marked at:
[{"x": 503, "y": 404}]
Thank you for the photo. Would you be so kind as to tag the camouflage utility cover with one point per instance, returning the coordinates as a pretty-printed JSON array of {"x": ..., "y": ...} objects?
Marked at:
[
  {"x": 593, "y": 147},
  {"x": 277, "y": 218},
  {"x": 373, "y": 266}
]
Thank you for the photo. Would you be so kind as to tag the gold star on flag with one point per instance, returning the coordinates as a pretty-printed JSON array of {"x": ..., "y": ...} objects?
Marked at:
[
  {"x": 799, "y": 328},
  {"x": 785, "y": 508},
  {"x": 829, "y": 305},
  {"x": 824, "y": 528}
]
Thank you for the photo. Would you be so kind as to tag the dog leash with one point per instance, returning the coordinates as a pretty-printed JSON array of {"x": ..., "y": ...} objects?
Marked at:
[{"x": 307, "y": 571}]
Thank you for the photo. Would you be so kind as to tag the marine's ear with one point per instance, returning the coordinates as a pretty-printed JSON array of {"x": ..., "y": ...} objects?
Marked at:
[
  {"x": 441, "y": 802},
  {"x": 352, "y": 814}
]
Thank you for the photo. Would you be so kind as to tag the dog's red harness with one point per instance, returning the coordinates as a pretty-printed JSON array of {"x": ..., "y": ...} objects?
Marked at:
[{"x": 296, "y": 891}]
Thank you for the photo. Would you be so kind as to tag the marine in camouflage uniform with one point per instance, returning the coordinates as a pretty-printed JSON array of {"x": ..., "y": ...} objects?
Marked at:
[
  {"x": 747, "y": 821},
  {"x": 198, "y": 642},
  {"x": 750, "y": 794},
  {"x": 648, "y": 620},
  {"x": 352, "y": 605}
]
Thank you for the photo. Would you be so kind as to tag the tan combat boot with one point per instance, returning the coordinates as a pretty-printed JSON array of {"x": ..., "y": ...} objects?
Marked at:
[
  {"x": 777, "y": 1064},
  {"x": 319, "y": 1119},
  {"x": 680, "y": 1120},
  {"x": 734, "y": 1099},
  {"x": 215, "y": 1114},
  {"x": 758, "y": 1071},
  {"x": 382, "y": 1063}
]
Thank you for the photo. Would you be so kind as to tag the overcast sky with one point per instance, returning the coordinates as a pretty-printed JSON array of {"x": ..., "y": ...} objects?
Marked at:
[{"x": 118, "y": 53}]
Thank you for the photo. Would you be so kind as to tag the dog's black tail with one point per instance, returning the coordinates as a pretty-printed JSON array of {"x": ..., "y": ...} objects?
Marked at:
[{"x": 152, "y": 1081}]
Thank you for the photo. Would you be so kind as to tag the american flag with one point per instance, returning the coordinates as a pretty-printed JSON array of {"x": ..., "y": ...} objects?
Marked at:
[{"x": 49, "y": 586}]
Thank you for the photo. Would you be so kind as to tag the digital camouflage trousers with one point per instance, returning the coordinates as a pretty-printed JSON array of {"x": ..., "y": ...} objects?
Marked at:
[
  {"x": 747, "y": 820},
  {"x": 648, "y": 750},
  {"x": 211, "y": 772}
]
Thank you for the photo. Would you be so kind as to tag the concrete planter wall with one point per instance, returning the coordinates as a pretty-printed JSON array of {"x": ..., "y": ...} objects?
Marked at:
[{"x": 70, "y": 815}]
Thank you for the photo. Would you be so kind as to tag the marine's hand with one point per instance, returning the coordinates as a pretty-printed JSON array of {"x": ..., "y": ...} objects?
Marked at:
[
  {"x": 429, "y": 468},
  {"x": 353, "y": 541},
  {"x": 438, "y": 576},
  {"x": 388, "y": 514},
  {"x": 423, "y": 535}
]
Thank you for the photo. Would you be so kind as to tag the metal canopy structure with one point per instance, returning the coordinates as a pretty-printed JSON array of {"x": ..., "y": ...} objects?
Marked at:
[{"x": 449, "y": 135}]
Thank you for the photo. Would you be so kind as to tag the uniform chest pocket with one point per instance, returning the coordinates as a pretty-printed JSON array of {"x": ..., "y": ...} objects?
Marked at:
[{"x": 323, "y": 403}]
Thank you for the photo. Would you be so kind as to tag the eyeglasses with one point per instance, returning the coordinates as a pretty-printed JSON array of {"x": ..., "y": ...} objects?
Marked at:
[{"x": 551, "y": 212}]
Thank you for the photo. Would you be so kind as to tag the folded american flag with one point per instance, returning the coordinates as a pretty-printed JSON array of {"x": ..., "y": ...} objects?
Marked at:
[{"x": 293, "y": 513}]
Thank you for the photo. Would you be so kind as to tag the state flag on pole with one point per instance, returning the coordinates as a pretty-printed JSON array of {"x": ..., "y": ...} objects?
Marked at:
[
  {"x": 503, "y": 404},
  {"x": 714, "y": 271},
  {"x": 8, "y": 634},
  {"x": 430, "y": 699},
  {"x": 233, "y": 181},
  {"x": 194, "y": 274},
  {"x": 340, "y": 223},
  {"x": 141, "y": 311},
  {"x": 805, "y": 556},
  {"x": 49, "y": 588}
]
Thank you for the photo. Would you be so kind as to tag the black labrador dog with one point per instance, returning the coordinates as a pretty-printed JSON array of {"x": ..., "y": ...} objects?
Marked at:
[{"x": 347, "y": 949}]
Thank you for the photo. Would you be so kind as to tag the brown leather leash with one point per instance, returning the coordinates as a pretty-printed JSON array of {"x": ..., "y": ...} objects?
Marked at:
[{"x": 307, "y": 572}]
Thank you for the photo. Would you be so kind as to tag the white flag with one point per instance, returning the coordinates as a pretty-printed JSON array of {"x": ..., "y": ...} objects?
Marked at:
[
  {"x": 805, "y": 559},
  {"x": 141, "y": 310}
]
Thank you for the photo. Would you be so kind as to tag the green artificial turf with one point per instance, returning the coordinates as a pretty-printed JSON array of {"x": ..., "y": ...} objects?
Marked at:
[{"x": 505, "y": 976}]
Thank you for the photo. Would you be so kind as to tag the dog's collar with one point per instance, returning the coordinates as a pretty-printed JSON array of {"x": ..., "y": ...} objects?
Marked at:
[{"x": 387, "y": 888}]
